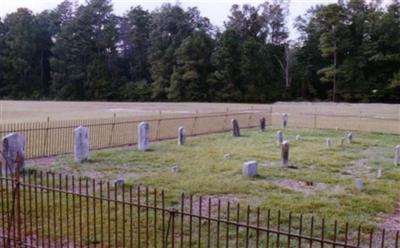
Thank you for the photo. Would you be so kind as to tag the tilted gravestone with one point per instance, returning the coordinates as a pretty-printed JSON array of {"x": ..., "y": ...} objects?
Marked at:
[
  {"x": 279, "y": 137},
  {"x": 235, "y": 128},
  {"x": 143, "y": 136},
  {"x": 285, "y": 153},
  {"x": 249, "y": 168},
  {"x": 13, "y": 149},
  {"x": 397, "y": 155},
  {"x": 350, "y": 138},
  {"x": 262, "y": 124},
  {"x": 81, "y": 144},
  {"x": 328, "y": 143},
  {"x": 181, "y": 136},
  {"x": 285, "y": 119}
]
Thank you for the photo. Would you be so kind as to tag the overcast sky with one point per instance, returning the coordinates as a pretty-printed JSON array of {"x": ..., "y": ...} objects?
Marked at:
[{"x": 217, "y": 10}]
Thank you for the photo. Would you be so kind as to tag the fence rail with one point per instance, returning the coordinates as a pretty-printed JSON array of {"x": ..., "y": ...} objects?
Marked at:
[
  {"x": 42, "y": 209},
  {"x": 50, "y": 137}
]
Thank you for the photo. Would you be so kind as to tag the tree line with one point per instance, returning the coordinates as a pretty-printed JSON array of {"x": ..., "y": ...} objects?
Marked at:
[{"x": 347, "y": 51}]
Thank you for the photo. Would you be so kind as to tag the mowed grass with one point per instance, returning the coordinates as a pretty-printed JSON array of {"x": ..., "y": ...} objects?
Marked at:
[{"x": 205, "y": 171}]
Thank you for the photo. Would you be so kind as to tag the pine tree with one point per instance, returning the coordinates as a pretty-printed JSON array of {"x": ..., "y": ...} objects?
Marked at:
[{"x": 189, "y": 77}]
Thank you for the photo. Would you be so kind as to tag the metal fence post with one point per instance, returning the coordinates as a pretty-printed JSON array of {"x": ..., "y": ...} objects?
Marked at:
[
  {"x": 251, "y": 113},
  {"x": 225, "y": 119},
  {"x": 171, "y": 225},
  {"x": 46, "y": 140},
  {"x": 315, "y": 117},
  {"x": 398, "y": 118},
  {"x": 158, "y": 124},
  {"x": 112, "y": 130},
  {"x": 194, "y": 123},
  {"x": 15, "y": 218},
  {"x": 270, "y": 114}
]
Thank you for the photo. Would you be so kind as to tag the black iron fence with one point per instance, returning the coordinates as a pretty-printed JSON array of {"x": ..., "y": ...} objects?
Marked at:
[{"x": 43, "y": 209}]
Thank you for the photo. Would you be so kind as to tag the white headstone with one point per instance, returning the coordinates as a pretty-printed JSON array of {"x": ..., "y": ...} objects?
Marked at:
[
  {"x": 397, "y": 155},
  {"x": 81, "y": 144},
  {"x": 143, "y": 136},
  {"x": 350, "y": 138},
  {"x": 298, "y": 137},
  {"x": 279, "y": 137},
  {"x": 249, "y": 168},
  {"x": 285, "y": 119},
  {"x": 13, "y": 148},
  {"x": 328, "y": 143},
  {"x": 379, "y": 173},
  {"x": 181, "y": 136}
]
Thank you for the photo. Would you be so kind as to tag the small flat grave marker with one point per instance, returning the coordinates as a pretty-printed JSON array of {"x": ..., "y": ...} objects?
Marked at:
[{"x": 250, "y": 168}]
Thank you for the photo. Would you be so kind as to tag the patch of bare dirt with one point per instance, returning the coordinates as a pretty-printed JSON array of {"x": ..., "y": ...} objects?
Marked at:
[
  {"x": 391, "y": 222},
  {"x": 41, "y": 163},
  {"x": 209, "y": 202},
  {"x": 359, "y": 168},
  {"x": 308, "y": 187}
]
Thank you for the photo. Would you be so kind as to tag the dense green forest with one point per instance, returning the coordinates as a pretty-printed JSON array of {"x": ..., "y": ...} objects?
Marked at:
[{"x": 348, "y": 51}]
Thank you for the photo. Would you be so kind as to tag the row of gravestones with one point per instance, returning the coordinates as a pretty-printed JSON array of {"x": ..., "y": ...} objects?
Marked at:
[
  {"x": 13, "y": 145},
  {"x": 250, "y": 168},
  {"x": 81, "y": 143}
]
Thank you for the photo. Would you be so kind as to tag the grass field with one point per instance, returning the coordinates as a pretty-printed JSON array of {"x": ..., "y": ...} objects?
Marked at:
[
  {"x": 205, "y": 171},
  {"x": 23, "y": 111}
]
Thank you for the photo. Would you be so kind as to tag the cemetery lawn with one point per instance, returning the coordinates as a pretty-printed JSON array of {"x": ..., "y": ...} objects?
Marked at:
[{"x": 204, "y": 171}]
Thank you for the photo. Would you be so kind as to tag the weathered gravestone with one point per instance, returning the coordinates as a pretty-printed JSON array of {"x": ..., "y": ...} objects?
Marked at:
[
  {"x": 119, "y": 182},
  {"x": 249, "y": 168},
  {"x": 379, "y": 173},
  {"x": 285, "y": 119},
  {"x": 397, "y": 155},
  {"x": 262, "y": 124},
  {"x": 328, "y": 143},
  {"x": 13, "y": 149},
  {"x": 143, "y": 136},
  {"x": 227, "y": 156},
  {"x": 359, "y": 184},
  {"x": 350, "y": 138},
  {"x": 181, "y": 136},
  {"x": 81, "y": 144},
  {"x": 342, "y": 140},
  {"x": 279, "y": 137},
  {"x": 298, "y": 137},
  {"x": 235, "y": 128},
  {"x": 285, "y": 153},
  {"x": 176, "y": 168}
]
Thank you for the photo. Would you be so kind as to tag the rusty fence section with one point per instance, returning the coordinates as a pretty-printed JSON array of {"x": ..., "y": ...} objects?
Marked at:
[
  {"x": 56, "y": 137},
  {"x": 43, "y": 209}
]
